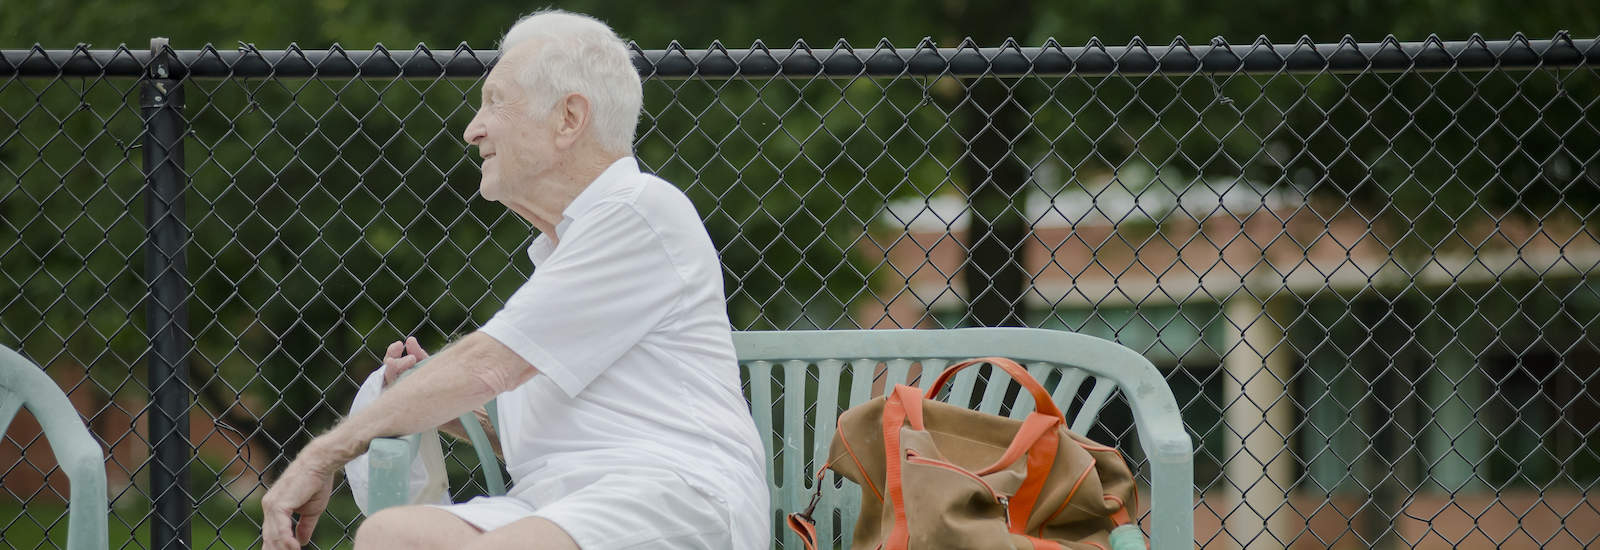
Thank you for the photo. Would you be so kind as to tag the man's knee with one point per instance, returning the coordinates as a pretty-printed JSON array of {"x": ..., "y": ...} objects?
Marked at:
[
  {"x": 385, "y": 529},
  {"x": 413, "y": 527}
]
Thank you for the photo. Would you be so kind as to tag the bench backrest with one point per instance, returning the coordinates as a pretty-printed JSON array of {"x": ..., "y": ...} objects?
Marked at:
[{"x": 798, "y": 382}]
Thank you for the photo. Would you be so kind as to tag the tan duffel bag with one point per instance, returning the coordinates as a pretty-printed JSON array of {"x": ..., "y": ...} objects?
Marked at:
[{"x": 935, "y": 475}]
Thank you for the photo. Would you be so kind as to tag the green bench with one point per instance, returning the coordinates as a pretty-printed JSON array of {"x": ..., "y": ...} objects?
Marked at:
[
  {"x": 798, "y": 382},
  {"x": 24, "y": 384}
]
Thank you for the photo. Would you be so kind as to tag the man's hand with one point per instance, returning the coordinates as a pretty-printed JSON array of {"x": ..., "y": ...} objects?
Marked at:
[
  {"x": 472, "y": 372},
  {"x": 306, "y": 485},
  {"x": 400, "y": 357},
  {"x": 303, "y": 489}
]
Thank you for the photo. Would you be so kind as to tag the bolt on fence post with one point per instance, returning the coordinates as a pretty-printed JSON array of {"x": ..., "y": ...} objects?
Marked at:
[{"x": 166, "y": 307}]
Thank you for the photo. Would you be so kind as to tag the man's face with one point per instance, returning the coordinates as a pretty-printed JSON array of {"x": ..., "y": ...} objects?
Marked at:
[{"x": 515, "y": 143}]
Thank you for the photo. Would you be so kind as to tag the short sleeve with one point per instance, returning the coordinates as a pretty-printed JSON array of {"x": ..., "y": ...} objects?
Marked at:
[{"x": 608, "y": 284}]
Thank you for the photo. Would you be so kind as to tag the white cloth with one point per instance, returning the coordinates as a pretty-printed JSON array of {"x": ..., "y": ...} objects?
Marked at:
[
  {"x": 626, "y": 322},
  {"x": 619, "y": 508},
  {"x": 429, "y": 484}
]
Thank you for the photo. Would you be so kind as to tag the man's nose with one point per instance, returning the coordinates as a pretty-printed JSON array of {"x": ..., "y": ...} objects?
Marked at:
[{"x": 475, "y": 131}]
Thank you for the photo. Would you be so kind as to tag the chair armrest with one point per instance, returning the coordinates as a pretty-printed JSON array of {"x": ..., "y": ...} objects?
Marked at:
[
  {"x": 1170, "y": 450},
  {"x": 495, "y": 482},
  {"x": 1171, "y": 489},
  {"x": 390, "y": 458},
  {"x": 389, "y": 482}
]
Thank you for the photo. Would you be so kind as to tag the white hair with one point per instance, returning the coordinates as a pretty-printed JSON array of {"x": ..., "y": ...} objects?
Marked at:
[{"x": 582, "y": 55}]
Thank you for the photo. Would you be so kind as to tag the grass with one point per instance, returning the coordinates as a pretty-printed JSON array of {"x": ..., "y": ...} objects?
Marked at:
[
  {"x": 222, "y": 522},
  {"x": 217, "y": 526}
]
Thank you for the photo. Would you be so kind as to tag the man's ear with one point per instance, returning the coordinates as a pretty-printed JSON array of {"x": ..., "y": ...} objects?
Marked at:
[{"x": 573, "y": 114}]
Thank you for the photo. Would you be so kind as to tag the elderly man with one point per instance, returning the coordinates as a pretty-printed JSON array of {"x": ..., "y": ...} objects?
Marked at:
[{"x": 623, "y": 423}]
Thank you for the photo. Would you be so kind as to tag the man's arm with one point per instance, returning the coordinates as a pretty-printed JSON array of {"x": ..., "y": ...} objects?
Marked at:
[
  {"x": 458, "y": 379},
  {"x": 403, "y": 355}
]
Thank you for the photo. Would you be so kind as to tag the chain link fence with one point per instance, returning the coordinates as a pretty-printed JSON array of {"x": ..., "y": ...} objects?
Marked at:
[{"x": 1368, "y": 270}]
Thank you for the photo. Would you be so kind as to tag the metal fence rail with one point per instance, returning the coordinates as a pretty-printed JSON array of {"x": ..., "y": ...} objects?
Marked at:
[
  {"x": 841, "y": 60},
  {"x": 1368, "y": 268}
]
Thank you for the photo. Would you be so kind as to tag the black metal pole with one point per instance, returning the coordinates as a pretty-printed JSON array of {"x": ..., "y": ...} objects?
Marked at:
[{"x": 166, "y": 310}]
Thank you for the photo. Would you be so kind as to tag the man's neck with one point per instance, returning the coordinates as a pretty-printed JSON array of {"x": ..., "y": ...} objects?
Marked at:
[{"x": 570, "y": 178}]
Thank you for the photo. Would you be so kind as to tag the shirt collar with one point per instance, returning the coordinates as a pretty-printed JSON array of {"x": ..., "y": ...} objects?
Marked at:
[
  {"x": 618, "y": 171},
  {"x": 585, "y": 201}
]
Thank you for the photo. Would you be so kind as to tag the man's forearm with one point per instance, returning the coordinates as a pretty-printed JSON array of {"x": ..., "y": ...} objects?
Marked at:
[{"x": 458, "y": 379}]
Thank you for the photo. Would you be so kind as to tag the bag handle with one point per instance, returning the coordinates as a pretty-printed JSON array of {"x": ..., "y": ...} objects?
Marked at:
[
  {"x": 801, "y": 522},
  {"x": 1041, "y": 398},
  {"x": 1037, "y": 439}
]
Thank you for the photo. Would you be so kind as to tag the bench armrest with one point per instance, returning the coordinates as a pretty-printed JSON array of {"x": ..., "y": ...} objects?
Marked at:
[
  {"x": 1171, "y": 489},
  {"x": 389, "y": 480},
  {"x": 389, "y": 463}
]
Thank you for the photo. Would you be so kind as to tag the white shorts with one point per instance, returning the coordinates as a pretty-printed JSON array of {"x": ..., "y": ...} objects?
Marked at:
[{"x": 626, "y": 508}]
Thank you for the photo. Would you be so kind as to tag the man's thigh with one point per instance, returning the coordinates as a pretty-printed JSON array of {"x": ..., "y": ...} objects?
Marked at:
[
  {"x": 627, "y": 508},
  {"x": 415, "y": 527},
  {"x": 533, "y": 533}
]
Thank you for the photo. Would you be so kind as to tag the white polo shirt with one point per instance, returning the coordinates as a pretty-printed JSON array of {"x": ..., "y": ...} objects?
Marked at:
[{"x": 626, "y": 322}]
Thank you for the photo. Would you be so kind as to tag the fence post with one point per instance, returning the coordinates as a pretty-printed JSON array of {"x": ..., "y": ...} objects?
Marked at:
[{"x": 166, "y": 309}]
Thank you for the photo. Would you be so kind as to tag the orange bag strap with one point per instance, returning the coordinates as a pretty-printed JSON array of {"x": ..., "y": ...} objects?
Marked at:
[
  {"x": 894, "y": 417},
  {"x": 1041, "y": 459},
  {"x": 805, "y": 528},
  {"x": 1038, "y": 439},
  {"x": 1033, "y": 428},
  {"x": 802, "y": 523},
  {"x": 910, "y": 400},
  {"x": 1041, "y": 398}
]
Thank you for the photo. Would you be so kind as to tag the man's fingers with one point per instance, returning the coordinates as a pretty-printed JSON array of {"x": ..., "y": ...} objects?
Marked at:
[
  {"x": 414, "y": 348},
  {"x": 294, "y": 493},
  {"x": 401, "y": 357},
  {"x": 308, "y": 525},
  {"x": 393, "y": 368},
  {"x": 276, "y": 533},
  {"x": 282, "y": 532},
  {"x": 311, "y": 512},
  {"x": 395, "y": 361},
  {"x": 283, "y": 537}
]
